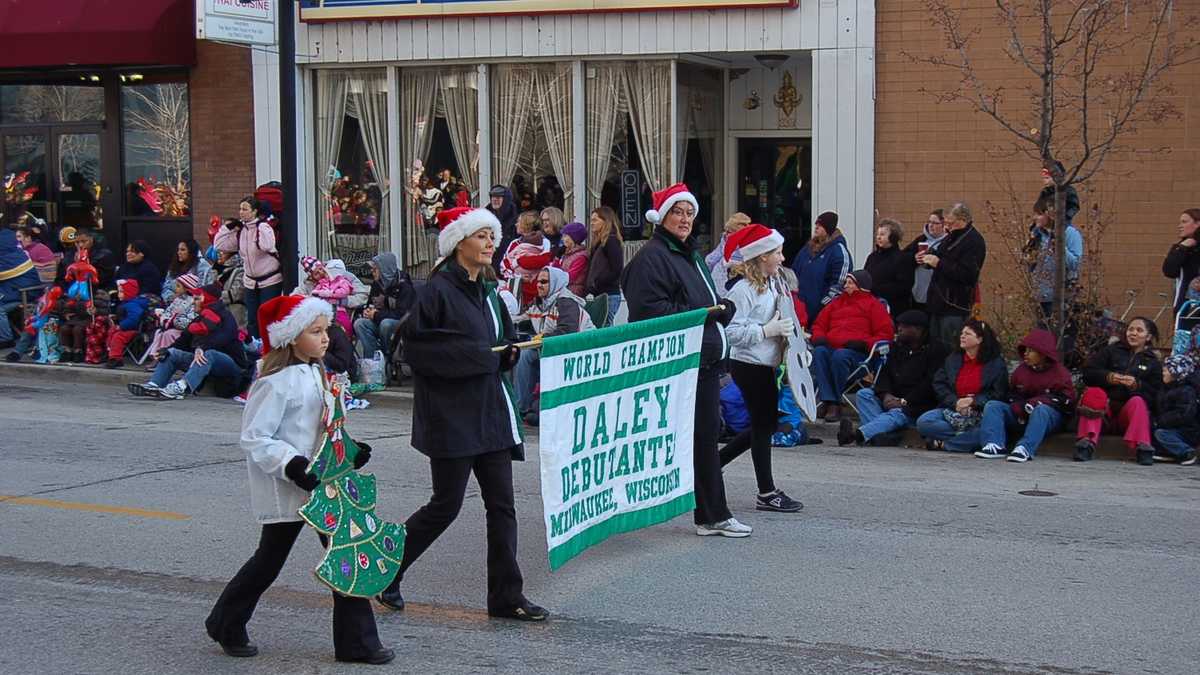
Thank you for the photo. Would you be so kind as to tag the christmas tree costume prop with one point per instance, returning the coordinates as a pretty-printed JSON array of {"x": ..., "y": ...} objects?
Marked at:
[{"x": 363, "y": 553}]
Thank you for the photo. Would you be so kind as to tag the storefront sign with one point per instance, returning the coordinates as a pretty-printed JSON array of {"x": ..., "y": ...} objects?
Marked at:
[
  {"x": 631, "y": 200},
  {"x": 334, "y": 10},
  {"x": 250, "y": 22}
]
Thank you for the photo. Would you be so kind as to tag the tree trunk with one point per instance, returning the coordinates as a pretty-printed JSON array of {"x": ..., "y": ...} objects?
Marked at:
[{"x": 1058, "y": 322}]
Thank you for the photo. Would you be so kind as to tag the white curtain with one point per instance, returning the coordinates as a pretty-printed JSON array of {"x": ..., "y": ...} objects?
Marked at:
[
  {"x": 418, "y": 92},
  {"x": 370, "y": 103},
  {"x": 460, "y": 91},
  {"x": 512, "y": 101},
  {"x": 331, "y": 114},
  {"x": 647, "y": 87},
  {"x": 554, "y": 93},
  {"x": 603, "y": 93}
]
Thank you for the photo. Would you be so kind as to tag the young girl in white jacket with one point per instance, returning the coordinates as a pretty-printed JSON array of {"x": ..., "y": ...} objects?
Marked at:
[
  {"x": 281, "y": 427},
  {"x": 757, "y": 337}
]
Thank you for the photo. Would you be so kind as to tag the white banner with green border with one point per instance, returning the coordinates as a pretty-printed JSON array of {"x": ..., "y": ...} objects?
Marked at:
[{"x": 617, "y": 412}]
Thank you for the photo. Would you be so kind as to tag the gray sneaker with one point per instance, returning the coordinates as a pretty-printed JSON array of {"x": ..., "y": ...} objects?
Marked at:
[
  {"x": 726, "y": 528},
  {"x": 146, "y": 389},
  {"x": 174, "y": 391}
]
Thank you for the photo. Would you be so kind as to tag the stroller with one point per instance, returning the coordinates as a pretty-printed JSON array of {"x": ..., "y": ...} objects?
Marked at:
[{"x": 1187, "y": 337}]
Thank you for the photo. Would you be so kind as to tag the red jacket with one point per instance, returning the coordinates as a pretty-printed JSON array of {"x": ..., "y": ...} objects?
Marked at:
[
  {"x": 850, "y": 317},
  {"x": 1052, "y": 385}
]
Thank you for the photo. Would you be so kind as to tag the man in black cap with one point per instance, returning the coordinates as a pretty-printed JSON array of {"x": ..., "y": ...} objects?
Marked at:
[{"x": 904, "y": 389}]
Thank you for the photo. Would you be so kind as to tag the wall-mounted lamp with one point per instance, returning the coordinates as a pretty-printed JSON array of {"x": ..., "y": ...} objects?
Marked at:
[{"x": 771, "y": 61}]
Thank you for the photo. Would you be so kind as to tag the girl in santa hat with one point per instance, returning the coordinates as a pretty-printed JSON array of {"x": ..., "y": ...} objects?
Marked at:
[
  {"x": 756, "y": 338},
  {"x": 464, "y": 413},
  {"x": 280, "y": 428}
]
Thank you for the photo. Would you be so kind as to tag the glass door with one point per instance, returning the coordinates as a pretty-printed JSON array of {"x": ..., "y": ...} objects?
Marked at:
[
  {"x": 25, "y": 156},
  {"x": 77, "y": 177},
  {"x": 775, "y": 187},
  {"x": 62, "y": 164}
]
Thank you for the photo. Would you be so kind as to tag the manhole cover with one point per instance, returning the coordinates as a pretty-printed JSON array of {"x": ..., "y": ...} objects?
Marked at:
[{"x": 1037, "y": 493}]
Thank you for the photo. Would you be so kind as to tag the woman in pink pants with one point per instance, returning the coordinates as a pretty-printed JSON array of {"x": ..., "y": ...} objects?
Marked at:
[{"x": 1122, "y": 381}]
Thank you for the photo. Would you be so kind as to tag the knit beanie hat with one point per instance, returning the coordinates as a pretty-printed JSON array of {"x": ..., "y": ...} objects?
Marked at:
[
  {"x": 189, "y": 281},
  {"x": 827, "y": 221},
  {"x": 577, "y": 232},
  {"x": 308, "y": 263},
  {"x": 913, "y": 317},
  {"x": 862, "y": 278},
  {"x": 1181, "y": 366}
]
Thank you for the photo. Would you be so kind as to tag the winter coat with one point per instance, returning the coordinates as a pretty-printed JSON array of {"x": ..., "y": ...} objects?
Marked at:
[
  {"x": 394, "y": 301},
  {"x": 667, "y": 277},
  {"x": 1183, "y": 265},
  {"x": 16, "y": 269},
  {"x": 100, "y": 258},
  {"x": 340, "y": 357},
  {"x": 281, "y": 421},
  {"x": 575, "y": 264},
  {"x": 255, "y": 243},
  {"x": 561, "y": 312},
  {"x": 821, "y": 271},
  {"x": 129, "y": 313},
  {"x": 604, "y": 267},
  {"x": 1052, "y": 385},
  {"x": 1072, "y": 199},
  {"x": 717, "y": 267},
  {"x": 995, "y": 382},
  {"x": 1041, "y": 244},
  {"x": 960, "y": 261},
  {"x": 1118, "y": 358},
  {"x": 214, "y": 328},
  {"x": 922, "y": 274},
  {"x": 853, "y": 317},
  {"x": 908, "y": 374},
  {"x": 178, "y": 314},
  {"x": 203, "y": 271},
  {"x": 891, "y": 277},
  {"x": 1179, "y": 410},
  {"x": 754, "y": 309},
  {"x": 145, "y": 273},
  {"x": 463, "y": 404}
]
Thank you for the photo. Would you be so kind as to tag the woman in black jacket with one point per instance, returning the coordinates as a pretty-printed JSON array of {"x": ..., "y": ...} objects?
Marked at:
[
  {"x": 607, "y": 258},
  {"x": 464, "y": 413},
  {"x": 890, "y": 269},
  {"x": 1183, "y": 260},
  {"x": 1122, "y": 382},
  {"x": 972, "y": 375}
]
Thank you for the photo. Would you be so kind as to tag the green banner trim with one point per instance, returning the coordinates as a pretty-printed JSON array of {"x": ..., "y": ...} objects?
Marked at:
[
  {"x": 607, "y": 337},
  {"x": 615, "y": 383},
  {"x": 619, "y": 524}
]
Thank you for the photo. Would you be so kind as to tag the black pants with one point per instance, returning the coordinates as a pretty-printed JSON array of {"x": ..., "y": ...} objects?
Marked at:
[
  {"x": 354, "y": 633},
  {"x": 493, "y": 472},
  {"x": 761, "y": 394},
  {"x": 706, "y": 463}
]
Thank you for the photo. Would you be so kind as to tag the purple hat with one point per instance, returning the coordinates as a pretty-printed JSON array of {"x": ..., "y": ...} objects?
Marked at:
[{"x": 576, "y": 231}]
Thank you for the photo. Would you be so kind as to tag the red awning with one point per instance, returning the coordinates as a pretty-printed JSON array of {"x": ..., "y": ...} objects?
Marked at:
[{"x": 47, "y": 33}]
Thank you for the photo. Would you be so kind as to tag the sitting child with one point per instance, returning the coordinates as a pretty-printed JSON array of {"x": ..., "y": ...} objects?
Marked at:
[
  {"x": 1178, "y": 430},
  {"x": 174, "y": 319},
  {"x": 127, "y": 319}
]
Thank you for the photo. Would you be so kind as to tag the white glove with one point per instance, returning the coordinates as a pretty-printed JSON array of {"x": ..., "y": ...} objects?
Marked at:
[{"x": 778, "y": 327}]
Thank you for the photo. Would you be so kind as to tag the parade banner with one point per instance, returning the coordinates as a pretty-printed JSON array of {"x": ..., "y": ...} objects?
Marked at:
[{"x": 617, "y": 411}]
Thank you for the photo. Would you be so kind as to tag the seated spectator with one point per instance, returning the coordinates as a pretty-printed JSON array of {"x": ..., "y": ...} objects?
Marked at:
[
  {"x": 557, "y": 311},
  {"x": 552, "y": 220},
  {"x": 890, "y": 269},
  {"x": 17, "y": 271},
  {"x": 43, "y": 258},
  {"x": 98, "y": 256},
  {"x": 209, "y": 347},
  {"x": 1041, "y": 396},
  {"x": 972, "y": 375},
  {"x": 716, "y": 259},
  {"x": 929, "y": 240},
  {"x": 332, "y": 287},
  {"x": 574, "y": 260},
  {"x": 392, "y": 296},
  {"x": 340, "y": 356},
  {"x": 904, "y": 390},
  {"x": 176, "y": 317},
  {"x": 1178, "y": 417},
  {"x": 139, "y": 266},
  {"x": 127, "y": 320},
  {"x": 843, "y": 335},
  {"x": 228, "y": 273},
  {"x": 1043, "y": 260},
  {"x": 1122, "y": 381},
  {"x": 529, "y": 241},
  {"x": 822, "y": 265},
  {"x": 187, "y": 260}
]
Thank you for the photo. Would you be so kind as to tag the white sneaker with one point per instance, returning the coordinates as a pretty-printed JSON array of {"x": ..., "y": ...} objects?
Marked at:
[
  {"x": 174, "y": 391},
  {"x": 990, "y": 451},
  {"x": 726, "y": 528},
  {"x": 1019, "y": 454}
]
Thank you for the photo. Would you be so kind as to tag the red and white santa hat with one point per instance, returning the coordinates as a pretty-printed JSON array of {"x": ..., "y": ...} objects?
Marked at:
[
  {"x": 665, "y": 199},
  {"x": 751, "y": 241},
  {"x": 284, "y": 318},
  {"x": 459, "y": 223}
]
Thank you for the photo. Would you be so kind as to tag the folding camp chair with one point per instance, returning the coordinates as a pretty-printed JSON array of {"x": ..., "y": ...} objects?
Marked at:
[
  {"x": 867, "y": 372},
  {"x": 597, "y": 309}
]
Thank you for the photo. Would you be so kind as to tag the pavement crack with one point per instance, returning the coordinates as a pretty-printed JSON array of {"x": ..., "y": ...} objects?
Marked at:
[{"x": 114, "y": 479}]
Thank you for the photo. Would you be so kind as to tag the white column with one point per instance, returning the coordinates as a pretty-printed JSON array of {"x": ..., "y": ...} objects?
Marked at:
[
  {"x": 675, "y": 177},
  {"x": 395, "y": 195},
  {"x": 307, "y": 227},
  {"x": 578, "y": 143},
  {"x": 484, "y": 100},
  {"x": 265, "y": 70}
]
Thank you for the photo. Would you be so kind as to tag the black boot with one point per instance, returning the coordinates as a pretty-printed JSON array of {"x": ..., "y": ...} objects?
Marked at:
[
  {"x": 847, "y": 434},
  {"x": 1145, "y": 455},
  {"x": 391, "y": 598},
  {"x": 1084, "y": 450}
]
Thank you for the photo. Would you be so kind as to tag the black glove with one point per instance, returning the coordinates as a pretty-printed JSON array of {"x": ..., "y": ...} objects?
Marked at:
[
  {"x": 297, "y": 472},
  {"x": 819, "y": 342},
  {"x": 857, "y": 345},
  {"x": 725, "y": 315},
  {"x": 363, "y": 456},
  {"x": 509, "y": 357}
]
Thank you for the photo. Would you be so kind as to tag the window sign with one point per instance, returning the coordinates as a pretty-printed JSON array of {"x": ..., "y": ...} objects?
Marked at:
[{"x": 250, "y": 22}]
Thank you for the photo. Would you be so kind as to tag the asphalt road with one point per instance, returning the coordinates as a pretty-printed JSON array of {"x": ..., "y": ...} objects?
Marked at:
[{"x": 123, "y": 518}]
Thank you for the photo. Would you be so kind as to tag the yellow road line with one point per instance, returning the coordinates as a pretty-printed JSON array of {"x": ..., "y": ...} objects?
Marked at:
[{"x": 95, "y": 508}]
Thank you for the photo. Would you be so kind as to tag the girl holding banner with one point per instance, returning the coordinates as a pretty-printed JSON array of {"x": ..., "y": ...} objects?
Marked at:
[
  {"x": 668, "y": 276},
  {"x": 757, "y": 336},
  {"x": 464, "y": 417}
]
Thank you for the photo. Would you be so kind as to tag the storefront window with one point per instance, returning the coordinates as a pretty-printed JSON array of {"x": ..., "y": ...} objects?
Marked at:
[
  {"x": 699, "y": 154},
  {"x": 156, "y": 149},
  {"x": 34, "y": 103},
  {"x": 532, "y": 150}
]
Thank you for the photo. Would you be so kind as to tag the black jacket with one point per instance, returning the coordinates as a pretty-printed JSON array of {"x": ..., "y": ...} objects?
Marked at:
[
  {"x": 908, "y": 374},
  {"x": 215, "y": 328},
  {"x": 1181, "y": 264},
  {"x": 960, "y": 260},
  {"x": 340, "y": 357},
  {"x": 462, "y": 403},
  {"x": 668, "y": 277},
  {"x": 1144, "y": 366},
  {"x": 891, "y": 277},
  {"x": 995, "y": 381},
  {"x": 1179, "y": 410},
  {"x": 604, "y": 267},
  {"x": 146, "y": 273},
  {"x": 104, "y": 262},
  {"x": 394, "y": 301}
]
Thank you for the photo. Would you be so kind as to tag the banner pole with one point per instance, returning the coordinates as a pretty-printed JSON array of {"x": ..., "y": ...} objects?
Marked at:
[{"x": 537, "y": 342}]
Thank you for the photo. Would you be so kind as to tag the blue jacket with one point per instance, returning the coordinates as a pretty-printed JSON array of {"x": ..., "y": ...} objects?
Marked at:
[
  {"x": 16, "y": 269},
  {"x": 1041, "y": 246},
  {"x": 821, "y": 272},
  {"x": 130, "y": 312}
]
